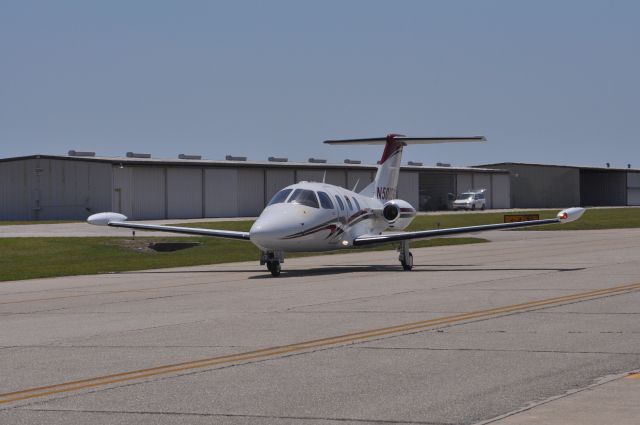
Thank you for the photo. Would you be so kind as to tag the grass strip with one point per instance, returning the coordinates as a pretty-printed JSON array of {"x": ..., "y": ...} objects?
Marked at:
[
  {"x": 30, "y": 258},
  {"x": 593, "y": 219},
  {"x": 22, "y": 222}
]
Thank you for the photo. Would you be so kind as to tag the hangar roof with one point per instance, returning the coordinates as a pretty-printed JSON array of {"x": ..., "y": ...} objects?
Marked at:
[{"x": 229, "y": 163}]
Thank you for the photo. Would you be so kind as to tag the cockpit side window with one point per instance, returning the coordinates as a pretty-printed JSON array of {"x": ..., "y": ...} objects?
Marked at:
[
  {"x": 325, "y": 201},
  {"x": 355, "y": 201},
  {"x": 348, "y": 202},
  {"x": 280, "y": 197},
  {"x": 304, "y": 197},
  {"x": 340, "y": 202}
]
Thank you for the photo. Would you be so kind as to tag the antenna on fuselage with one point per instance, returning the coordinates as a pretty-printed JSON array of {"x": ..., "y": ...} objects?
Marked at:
[
  {"x": 324, "y": 176},
  {"x": 355, "y": 185}
]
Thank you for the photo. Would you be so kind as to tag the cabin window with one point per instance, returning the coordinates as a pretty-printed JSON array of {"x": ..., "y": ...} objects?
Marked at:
[
  {"x": 340, "y": 202},
  {"x": 325, "y": 201},
  {"x": 355, "y": 201},
  {"x": 280, "y": 197},
  {"x": 348, "y": 203},
  {"x": 304, "y": 197}
]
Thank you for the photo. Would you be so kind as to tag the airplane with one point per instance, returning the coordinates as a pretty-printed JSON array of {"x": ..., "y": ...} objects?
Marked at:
[{"x": 317, "y": 216}]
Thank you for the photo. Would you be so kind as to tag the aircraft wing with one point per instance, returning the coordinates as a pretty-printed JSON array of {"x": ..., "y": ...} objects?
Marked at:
[
  {"x": 119, "y": 220},
  {"x": 564, "y": 216}
]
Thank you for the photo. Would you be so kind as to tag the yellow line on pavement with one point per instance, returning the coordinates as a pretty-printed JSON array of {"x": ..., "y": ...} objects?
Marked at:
[{"x": 306, "y": 345}]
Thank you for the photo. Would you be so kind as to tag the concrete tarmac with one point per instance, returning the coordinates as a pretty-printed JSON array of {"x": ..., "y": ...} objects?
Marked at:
[{"x": 484, "y": 333}]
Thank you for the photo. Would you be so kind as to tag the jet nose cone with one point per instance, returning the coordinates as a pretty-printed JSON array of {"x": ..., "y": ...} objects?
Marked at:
[
  {"x": 259, "y": 229},
  {"x": 276, "y": 223},
  {"x": 266, "y": 233}
]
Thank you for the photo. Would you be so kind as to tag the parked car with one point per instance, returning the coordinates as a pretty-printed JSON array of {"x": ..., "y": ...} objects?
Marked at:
[{"x": 471, "y": 200}]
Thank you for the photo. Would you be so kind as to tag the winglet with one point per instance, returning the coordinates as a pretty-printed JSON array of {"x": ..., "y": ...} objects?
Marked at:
[
  {"x": 570, "y": 214},
  {"x": 104, "y": 218}
]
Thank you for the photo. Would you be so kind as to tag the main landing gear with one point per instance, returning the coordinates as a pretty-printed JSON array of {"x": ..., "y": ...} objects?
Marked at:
[
  {"x": 405, "y": 257},
  {"x": 272, "y": 259}
]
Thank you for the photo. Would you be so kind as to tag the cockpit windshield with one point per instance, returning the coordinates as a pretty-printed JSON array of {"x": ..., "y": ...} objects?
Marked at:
[
  {"x": 280, "y": 197},
  {"x": 304, "y": 197}
]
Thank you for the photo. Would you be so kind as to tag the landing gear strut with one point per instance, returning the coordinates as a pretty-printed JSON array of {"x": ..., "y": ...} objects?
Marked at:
[
  {"x": 405, "y": 257},
  {"x": 272, "y": 259}
]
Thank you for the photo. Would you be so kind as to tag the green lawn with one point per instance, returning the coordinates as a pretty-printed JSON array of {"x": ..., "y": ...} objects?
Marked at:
[
  {"x": 592, "y": 219},
  {"x": 14, "y": 222},
  {"x": 601, "y": 218},
  {"x": 29, "y": 258}
]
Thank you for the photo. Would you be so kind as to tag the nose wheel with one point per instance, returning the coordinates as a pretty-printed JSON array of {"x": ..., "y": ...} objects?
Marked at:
[
  {"x": 274, "y": 268},
  {"x": 272, "y": 259},
  {"x": 405, "y": 256}
]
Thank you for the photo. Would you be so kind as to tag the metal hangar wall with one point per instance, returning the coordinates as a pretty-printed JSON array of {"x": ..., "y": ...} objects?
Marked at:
[
  {"x": 47, "y": 187},
  {"x": 559, "y": 186}
]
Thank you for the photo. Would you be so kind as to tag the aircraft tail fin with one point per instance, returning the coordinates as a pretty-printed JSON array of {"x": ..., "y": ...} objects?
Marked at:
[{"x": 385, "y": 185}]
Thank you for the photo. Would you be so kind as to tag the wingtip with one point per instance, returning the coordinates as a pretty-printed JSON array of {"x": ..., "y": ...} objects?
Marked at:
[
  {"x": 570, "y": 214},
  {"x": 104, "y": 218}
]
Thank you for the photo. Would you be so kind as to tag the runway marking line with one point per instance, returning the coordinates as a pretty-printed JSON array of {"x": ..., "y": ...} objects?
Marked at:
[{"x": 302, "y": 346}]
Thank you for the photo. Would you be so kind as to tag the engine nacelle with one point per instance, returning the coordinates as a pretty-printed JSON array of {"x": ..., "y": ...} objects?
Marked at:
[{"x": 398, "y": 213}]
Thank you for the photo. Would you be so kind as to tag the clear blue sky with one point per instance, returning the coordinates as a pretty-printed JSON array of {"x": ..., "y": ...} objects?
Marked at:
[{"x": 544, "y": 81}]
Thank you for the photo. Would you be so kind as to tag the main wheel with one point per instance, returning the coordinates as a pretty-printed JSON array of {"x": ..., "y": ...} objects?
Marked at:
[
  {"x": 407, "y": 264},
  {"x": 482, "y": 207},
  {"x": 473, "y": 207},
  {"x": 274, "y": 268}
]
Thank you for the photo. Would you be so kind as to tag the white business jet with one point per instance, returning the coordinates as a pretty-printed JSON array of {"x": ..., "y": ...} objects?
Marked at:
[{"x": 313, "y": 217}]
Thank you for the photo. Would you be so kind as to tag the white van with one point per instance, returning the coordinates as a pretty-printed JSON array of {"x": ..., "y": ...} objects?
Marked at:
[{"x": 471, "y": 200}]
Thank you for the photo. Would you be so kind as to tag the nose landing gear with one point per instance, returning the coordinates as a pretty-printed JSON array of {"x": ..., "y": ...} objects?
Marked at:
[
  {"x": 405, "y": 256},
  {"x": 272, "y": 259},
  {"x": 274, "y": 268}
]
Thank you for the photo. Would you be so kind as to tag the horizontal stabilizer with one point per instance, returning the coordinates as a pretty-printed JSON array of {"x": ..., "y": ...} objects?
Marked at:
[{"x": 405, "y": 140}]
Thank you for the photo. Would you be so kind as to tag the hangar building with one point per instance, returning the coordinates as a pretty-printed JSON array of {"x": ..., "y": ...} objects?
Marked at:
[
  {"x": 48, "y": 187},
  {"x": 559, "y": 186}
]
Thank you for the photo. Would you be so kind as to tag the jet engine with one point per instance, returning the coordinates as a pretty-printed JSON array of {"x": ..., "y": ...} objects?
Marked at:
[{"x": 398, "y": 213}]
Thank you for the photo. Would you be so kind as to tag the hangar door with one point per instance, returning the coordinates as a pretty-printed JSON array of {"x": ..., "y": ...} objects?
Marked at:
[
  {"x": 148, "y": 193},
  {"x": 408, "y": 187},
  {"x": 500, "y": 191},
  {"x": 220, "y": 192},
  {"x": 184, "y": 192},
  {"x": 603, "y": 188},
  {"x": 251, "y": 196},
  {"x": 139, "y": 192},
  {"x": 633, "y": 188},
  {"x": 435, "y": 188}
]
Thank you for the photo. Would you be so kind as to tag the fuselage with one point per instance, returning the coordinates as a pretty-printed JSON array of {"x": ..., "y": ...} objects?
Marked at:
[{"x": 311, "y": 216}]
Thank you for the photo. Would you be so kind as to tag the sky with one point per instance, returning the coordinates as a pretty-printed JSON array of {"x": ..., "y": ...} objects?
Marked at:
[{"x": 552, "y": 82}]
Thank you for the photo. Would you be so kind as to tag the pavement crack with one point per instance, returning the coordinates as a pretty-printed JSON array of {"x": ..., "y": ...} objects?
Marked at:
[
  {"x": 130, "y": 346},
  {"x": 242, "y": 415},
  {"x": 489, "y": 350}
]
